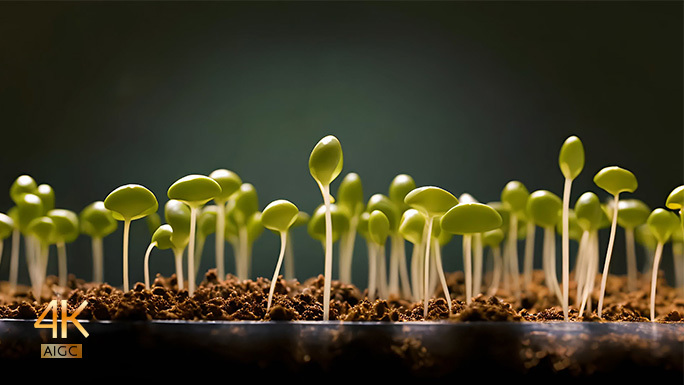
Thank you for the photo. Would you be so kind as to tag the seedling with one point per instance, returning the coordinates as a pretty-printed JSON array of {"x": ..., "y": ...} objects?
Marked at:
[
  {"x": 97, "y": 222},
  {"x": 675, "y": 201},
  {"x": 178, "y": 216},
  {"x": 432, "y": 202},
  {"x": 66, "y": 231},
  {"x": 662, "y": 223},
  {"x": 468, "y": 219},
  {"x": 378, "y": 230},
  {"x": 301, "y": 220},
  {"x": 43, "y": 229},
  {"x": 340, "y": 223},
  {"x": 24, "y": 184},
  {"x": 161, "y": 239},
  {"x": 384, "y": 204},
  {"x": 325, "y": 164},
  {"x": 206, "y": 225},
  {"x": 514, "y": 198},
  {"x": 246, "y": 205},
  {"x": 6, "y": 229},
  {"x": 477, "y": 250},
  {"x": 278, "y": 216},
  {"x": 29, "y": 207},
  {"x": 590, "y": 217},
  {"x": 195, "y": 191},
  {"x": 544, "y": 209},
  {"x": 571, "y": 163},
  {"x": 493, "y": 239},
  {"x": 401, "y": 185},
  {"x": 648, "y": 242},
  {"x": 128, "y": 203},
  {"x": 412, "y": 229},
  {"x": 614, "y": 180},
  {"x": 230, "y": 182},
  {"x": 47, "y": 196},
  {"x": 349, "y": 198},
  {"x": 631, "y": 213}
]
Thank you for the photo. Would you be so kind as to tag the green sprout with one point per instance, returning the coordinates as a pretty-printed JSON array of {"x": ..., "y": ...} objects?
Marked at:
[
  {"x": 6, "y": 229},
  {"x": 648, "y": 242},
  {"x": 411, "y": 228},
  {"x": 386, "y": 206},
  {"x": 278, "y": 216},
  {"x": 514, "y": 198},
  {"x": 590, "y": 217},
  {"x": 47, "y": 196},
  {"x": 378, "y": 230},
  {"x": 631, "y": 213},
  {"x": 571, "y": 163},
  {"x": 401, "y": 185},
  {"x": 206, "y": 225},
  {"x": 128, "y": 203},
  {"x": 161, "y": 239},
  {"x": 301, "y": 220},
  {"x": 29, "y": 207},
  {"x": 432, "y": 202},
  {"x": 340, "y": 223},
  {"x": 66, "y": 231},
  {"x": 24, "y": 184},
  {"x": 493, "y": 239},
  {"x": 230, "y": 182},
  {"x": 675, "y": 201},
  {"x": 349, "y": 198},
  {"x": 662, "y": 223},
  {"x": 43, "y": 229},
  {"x": 246, "y": 204},
  {"x": 178, "y": 216},
  {"x": 97, "y": 222},
  {"x": 467, "y": 219},
  {"x": 195, "y": 191},
  {"x": 613, "y": 180},
  {"x": 477, "y": 250},
  {"x": 544, "y": 209},
  {"x": 325, "y": 164}
]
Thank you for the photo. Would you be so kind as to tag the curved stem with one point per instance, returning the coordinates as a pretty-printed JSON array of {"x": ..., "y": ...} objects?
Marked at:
[
  {"x": 609, "y": 253},
  {"x": 631, "y": 260},
  {"x": 220, "y": 240},
  {"x": 327, "y": 278},
  {"x": 14, "y": 260},
  {"x": 283, "y": 243},
  {"x": 654, "y": 277},
  {"x": 565, "y": 247},
  {"x": 529, "y": 253},
  {"x": 146, "y": 264},
  {"x": 126, "y": 231},
  {"x": 426, "y": 267},
  {"x": 178, "y": 257},
  {"x": 62, "y": 263}
]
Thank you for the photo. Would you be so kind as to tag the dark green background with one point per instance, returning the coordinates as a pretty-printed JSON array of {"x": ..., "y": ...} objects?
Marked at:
[{"x": 466, "y": 96}]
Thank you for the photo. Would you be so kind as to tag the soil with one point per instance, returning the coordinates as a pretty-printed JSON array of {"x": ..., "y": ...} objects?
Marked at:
[{"x": 233, "y": 300}]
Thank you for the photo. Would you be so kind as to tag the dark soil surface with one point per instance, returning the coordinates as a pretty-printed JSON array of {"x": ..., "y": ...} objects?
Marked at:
[{"x": 234, "y": 300}]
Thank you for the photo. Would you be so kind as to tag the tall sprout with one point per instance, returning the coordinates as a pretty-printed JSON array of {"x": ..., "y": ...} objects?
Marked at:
[
  {"x": 401, "y": 185},
  {"x": 389, "y": 209},
  {"x": 514, "y": 198},
  {"x": 544, "y": 209},
  {"x": 477, "y": 250},
  {"x": 631, "y": 214},
  {"x": 24, "y": 184},
  {"x": 66, "y": 231},
  {"x": 246, "y": 204},
  {"x": 43, "y": 229},
  {"x": 378, "y": 230},
  {"x": 350, "y": 199},
  {"x": 230, "y": 182},
  {"x": 325, "y": 164},
  {"x": 97, "y": 222},
  {"x": 590, "y": 218},
  {"x": 662, "y": 223},
  {"x": 178, "y": 216}
]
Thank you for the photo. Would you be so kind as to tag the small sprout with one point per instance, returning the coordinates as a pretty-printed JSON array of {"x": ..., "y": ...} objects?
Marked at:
[
  {"x": 662, "y": 223},
  {"x": 161, "y": 239},
  {"x": 128, "y": 203},
  {"x": 230, "y": 182},
  {"x": 393, "y": 214},
  {"x": 47, "y": 196},
  {"x": 477, "y": 249},
  {"x": 675, "y": 201},
  {"x": 400, "y": 186},
  {"x": 544, "y": 209},
  {"x": 153, "y": 222},
  {"x": 24, "y": 184},
  {"x": 278, "y": 216},
  {"x": 66, "y": 231},
  {"x": 468, "y": 219},
  {"x": 301, "y": 220},
  {"x": 613, "y": 180},
  {"x": 97, "y": 222},
  {"x": 571, "y": 163},
  {"x": 340, "y": 222},
  {"x": 325, "y": 164},
  {"x": 195, "y": 191},
  {"x": 411, "y": 228},
  {"x": 43, "y": 229},
  {"x": 177, "y": 215},
  {"x": 349, "y": 198},
  {"x": 432, "y": 202},
  {"x": 514, "y": 198},
  {"x": 493, "y": 239},
  {"x": 378, "y": 231},
  {"x": 590, "y": 218},
  {"x": 631, "y": 214},
  {"x": 246, "y": 204}
]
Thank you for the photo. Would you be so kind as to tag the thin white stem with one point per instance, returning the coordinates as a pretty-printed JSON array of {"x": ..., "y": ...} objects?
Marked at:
[
  {"x": 14, "y": 260},
  {"x": 442, "y": 277},
  {"x": 62, "y": 263},
  {"x": 220, "y": 240},
  {"x": 631, "y": 260},
  {"x": 580, "y": 267},
  {"x": 513, "y": 254},
  {"x": 372, "y": 270},
  {"x": 289, "y": 258},
  {"x": 241, "y": 258},
  {"x": 283, "y": 243},
  {"x": 477, "y": 264},
  {"x": 590, "y": 271},
  {"x": 393, "y": 287},
  {"x": 496, "y": 276},
  {"x": 126, "y": 231},
  {"x": 30, "y": 255},
  {"x": 467, "y": 266},
  {"x": 426, "y": 268},
  {"x": 178, "y": 258},
  {"x": 97, "y": 247},
  {"x": 609, "y": 253},
  {"x": 191, "y": 251},
  {"x": 529, "y": 253},
  {"x": 199, "y": 250},
  {"x": 565, "y": 247},
  {"x": 146, "y": 264},
  {"x": 654, "y": 277},
  {"x": 551, "y": 274},
  {"x": 403, "y": 268},
  {"x": 327, "y": 278},
  {"x": 382, "y": 273},
  {"x": 416, "y": 259}
]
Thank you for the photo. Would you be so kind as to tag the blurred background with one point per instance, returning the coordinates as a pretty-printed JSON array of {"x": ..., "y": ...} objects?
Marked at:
[{"x": 465, "y": 96}]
